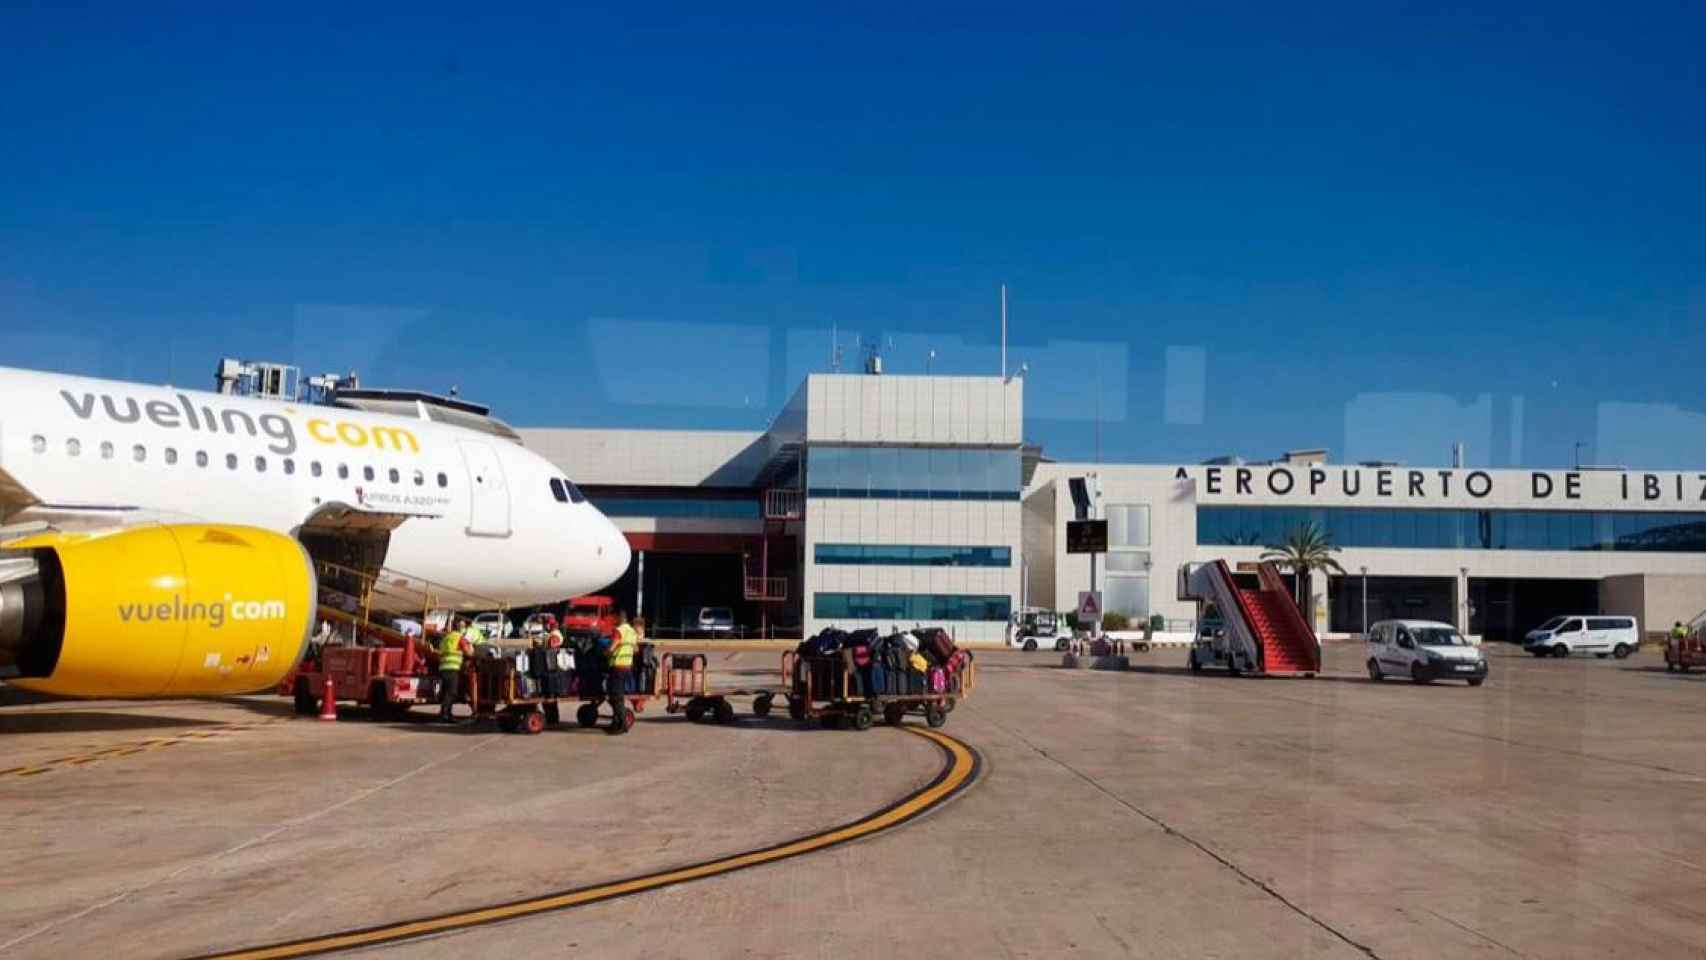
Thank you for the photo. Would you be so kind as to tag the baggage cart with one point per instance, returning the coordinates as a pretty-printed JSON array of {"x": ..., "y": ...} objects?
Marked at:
[
  {"x": 591, "y": 694},
  {"x": 831, "y": 690},
  {"x": 528, "y": 702},
  {"x": 688, "y": 690}
]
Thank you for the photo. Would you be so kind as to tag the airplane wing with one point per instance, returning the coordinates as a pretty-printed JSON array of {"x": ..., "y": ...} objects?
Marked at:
[
  {"x": 13, "y": 497},
  {"x": 22, "y": 512}
]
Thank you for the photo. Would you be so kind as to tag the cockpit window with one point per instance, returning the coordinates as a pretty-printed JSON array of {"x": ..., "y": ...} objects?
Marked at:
[
  {"x": 575, "y": 494},
  {"x": 558, "y": 491}
]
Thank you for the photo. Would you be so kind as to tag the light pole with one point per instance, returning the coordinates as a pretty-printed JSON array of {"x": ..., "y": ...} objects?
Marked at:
[
  {"x": 1579, "y": 445},
  {"x": 1364, "y": 602},
  {"x": 1464, "y": 582},
  {"x": 929, "y": 361}
]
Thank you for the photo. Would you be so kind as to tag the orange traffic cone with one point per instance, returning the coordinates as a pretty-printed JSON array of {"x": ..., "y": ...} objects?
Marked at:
[{"x": 329, "y": 701}]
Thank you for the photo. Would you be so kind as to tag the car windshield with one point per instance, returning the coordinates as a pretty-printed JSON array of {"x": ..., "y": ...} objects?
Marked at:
[
  {"x": 1550, "y": 624},
  {"x": 1438, "y": 637},
  {"x": 717, "y": 614}
]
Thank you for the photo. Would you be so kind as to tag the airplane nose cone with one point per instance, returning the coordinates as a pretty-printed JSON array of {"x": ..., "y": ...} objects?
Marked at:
[{"x": 616, "y": 554}]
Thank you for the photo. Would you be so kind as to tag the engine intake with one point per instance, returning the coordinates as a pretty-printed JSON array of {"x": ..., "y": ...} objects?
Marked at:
[{"x": 178, "y": 610}]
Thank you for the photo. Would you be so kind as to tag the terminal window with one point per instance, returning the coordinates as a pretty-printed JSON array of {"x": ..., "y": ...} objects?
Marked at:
[
  {"x": 1652, "y": 532},
  {"x": 913, "y": 473},
  {"x": 915, "y": 607},
  {"x": 677, "y": 507},
  {"x": 912, "y": 555}
]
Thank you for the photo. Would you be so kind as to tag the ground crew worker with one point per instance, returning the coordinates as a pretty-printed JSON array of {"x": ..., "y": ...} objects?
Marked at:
[
  {"x": 451, "y": 650},
  {"x": 553, "y": 635},
  {"x": 622, "y": 648},
  {"x": 1679, "y": 633}
]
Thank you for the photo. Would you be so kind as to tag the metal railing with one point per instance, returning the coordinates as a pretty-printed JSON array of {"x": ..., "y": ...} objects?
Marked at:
[
  {"x": 767, "y": 589},
  {"x": 784, "y": 504},
  {"x": 412, "y": 592}
]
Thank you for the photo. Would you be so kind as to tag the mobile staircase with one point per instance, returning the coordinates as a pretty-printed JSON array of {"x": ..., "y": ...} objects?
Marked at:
[{"x": 1260, "y": 630}]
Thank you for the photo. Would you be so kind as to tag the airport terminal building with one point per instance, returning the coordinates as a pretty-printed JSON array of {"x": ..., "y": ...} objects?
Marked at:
[{"x": 882, "y": 500}]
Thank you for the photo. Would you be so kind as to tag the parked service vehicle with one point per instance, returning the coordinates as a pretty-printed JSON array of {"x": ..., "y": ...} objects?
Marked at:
[
  {"x": 1035, "y": 627},
  {"x": 1601, "y": 636},
  {"x": 590, "y": 615},
  {"x": 1424, "y": 651},
  {"x": 494, "y": 626},
  {"x": 1210, "y": 648},
  {"x": 716, "y": 621},
  {"x": 1686, "y": 652}
]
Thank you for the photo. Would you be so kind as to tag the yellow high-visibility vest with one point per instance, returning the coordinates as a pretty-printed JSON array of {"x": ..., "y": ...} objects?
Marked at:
[
  {"x": 450, "y": 651},
  {"x": 622, "y": 650}
]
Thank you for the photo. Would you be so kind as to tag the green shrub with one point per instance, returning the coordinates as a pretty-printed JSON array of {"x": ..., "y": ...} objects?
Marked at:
[
  {"x": 1157, "y": 623},
  {"x": 1115, "y": 621}
]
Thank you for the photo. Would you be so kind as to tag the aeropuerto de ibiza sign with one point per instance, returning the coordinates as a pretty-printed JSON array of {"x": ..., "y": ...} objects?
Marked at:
[{"x": 1331, "y": 485}]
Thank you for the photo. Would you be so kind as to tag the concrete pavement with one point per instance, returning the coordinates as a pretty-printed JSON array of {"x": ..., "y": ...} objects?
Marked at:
[{"x": 1557, "y": 811}]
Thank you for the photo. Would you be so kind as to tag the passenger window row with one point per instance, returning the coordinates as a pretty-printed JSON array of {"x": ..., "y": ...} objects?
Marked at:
[{"x": 169, "y": 455}]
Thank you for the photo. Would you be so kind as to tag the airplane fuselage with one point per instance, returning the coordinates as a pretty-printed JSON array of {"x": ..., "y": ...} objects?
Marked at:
[{"x": 483, "y": 513}]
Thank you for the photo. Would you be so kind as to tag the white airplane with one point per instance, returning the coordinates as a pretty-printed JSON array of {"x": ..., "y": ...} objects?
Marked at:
[{"x": 165, "y": 542}]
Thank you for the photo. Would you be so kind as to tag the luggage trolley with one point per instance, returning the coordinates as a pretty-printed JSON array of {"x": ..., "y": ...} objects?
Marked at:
[
  {"x": 647, "y": 685},
  {"x": 830, "y": 689},
  {"x": 502, "y": 692},
  {"x": 688, "y": 690},
  {"x": 527, "y": 702}
]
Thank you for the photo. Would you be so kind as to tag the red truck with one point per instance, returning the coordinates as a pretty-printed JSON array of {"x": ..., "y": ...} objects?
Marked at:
[{"x": 590, "y": 615}]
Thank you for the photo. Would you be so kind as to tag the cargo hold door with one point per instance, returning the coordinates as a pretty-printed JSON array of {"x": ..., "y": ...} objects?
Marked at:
[{"x": 488, "y": 494}]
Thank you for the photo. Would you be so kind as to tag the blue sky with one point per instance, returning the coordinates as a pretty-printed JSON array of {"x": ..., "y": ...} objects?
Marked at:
[{"x": 1375, "y": 228}]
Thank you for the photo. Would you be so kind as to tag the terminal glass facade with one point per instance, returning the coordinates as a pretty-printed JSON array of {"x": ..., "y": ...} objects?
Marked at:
[
  {"x": 913, "y": 473},
  {"x": 1459, "y": 529},
  {"x": 677, "y": 508},
  {"x": 915, "y": 607},
  {"x": 910, "y": 555},
  {"x": 1126, "y": 584}
]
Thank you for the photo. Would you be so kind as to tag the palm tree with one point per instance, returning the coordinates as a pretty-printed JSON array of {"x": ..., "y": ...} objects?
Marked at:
[{"x": 1305, "y": 549}]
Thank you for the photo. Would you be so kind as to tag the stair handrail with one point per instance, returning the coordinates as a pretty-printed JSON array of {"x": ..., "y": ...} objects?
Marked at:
[
  {"x": 429, "y": 592},
  {"x": 1223, "y": 573},
  {"x": 1693, "y": 622}
]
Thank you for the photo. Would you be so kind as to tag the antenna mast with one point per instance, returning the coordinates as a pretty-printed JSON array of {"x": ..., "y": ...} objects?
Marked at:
[{"x": 1004, "y": 331}]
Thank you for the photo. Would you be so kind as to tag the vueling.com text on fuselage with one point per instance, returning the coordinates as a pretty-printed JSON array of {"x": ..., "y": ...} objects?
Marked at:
[{"x": 276, "y": 427}]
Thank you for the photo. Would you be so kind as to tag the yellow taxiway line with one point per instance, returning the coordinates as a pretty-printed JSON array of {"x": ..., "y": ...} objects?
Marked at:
[{"x": 960, "y": 769}]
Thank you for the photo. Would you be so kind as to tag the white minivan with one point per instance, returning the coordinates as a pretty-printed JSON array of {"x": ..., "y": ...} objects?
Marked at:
[
  {"x": 1424, "y": 651},
  {"x": 1584, "y": 633}
]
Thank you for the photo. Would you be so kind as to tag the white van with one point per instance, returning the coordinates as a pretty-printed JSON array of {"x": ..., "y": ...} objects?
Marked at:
[
  {"x": 1424, "y": 651},
  {"x": 1601, "y": 636}
]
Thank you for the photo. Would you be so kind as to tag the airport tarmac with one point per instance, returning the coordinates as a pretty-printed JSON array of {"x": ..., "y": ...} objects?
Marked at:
[{"x": 1557, "y": 811}]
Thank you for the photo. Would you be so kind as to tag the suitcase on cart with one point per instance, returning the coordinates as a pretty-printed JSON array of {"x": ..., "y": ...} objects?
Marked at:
[{"x": 937, "y": 646}]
